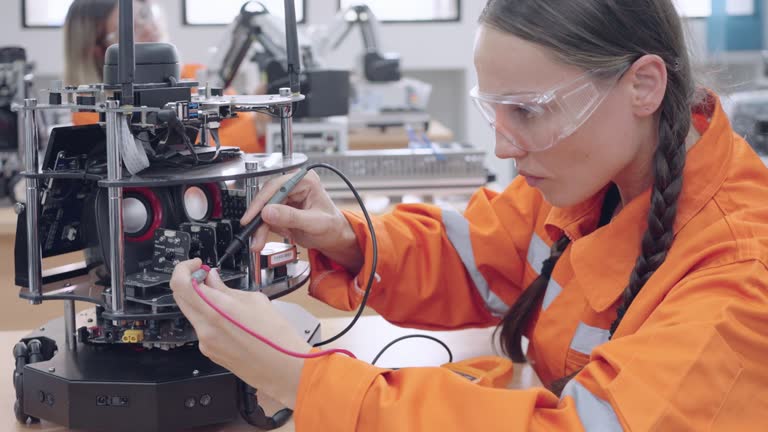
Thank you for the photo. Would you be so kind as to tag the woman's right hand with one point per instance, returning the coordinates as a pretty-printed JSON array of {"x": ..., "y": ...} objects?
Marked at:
[{"x": 309, "y": 218}]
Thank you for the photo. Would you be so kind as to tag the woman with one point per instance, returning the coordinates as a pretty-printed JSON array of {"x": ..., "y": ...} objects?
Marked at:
[
  {"x": 92, "y": 26},
  {"x": 631, "y": 250}
]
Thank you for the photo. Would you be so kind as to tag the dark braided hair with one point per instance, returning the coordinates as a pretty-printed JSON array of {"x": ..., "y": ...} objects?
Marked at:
[
  {"x": 668, "y": 164},
  {"x": 515, "y": 320},
  {"x": 607, "y": 35}
]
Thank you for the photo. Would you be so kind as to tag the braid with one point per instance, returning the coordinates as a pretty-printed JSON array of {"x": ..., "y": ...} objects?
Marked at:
[
  {"x": 518, "y": 315},
  {"x": 668, "y": 162}
]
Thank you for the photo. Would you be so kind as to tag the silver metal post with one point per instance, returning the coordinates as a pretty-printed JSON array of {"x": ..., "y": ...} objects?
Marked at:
[
  {"x": 69, "y": 325},
  {"x": 204, "y": 130},
  {"x": 34, "y": 255},
  {"x": 21, "y": 95},
  {"x": 286, "y": 125},
  {"x": 115, "y": 172},
  {"x": 254, "y": 258}
]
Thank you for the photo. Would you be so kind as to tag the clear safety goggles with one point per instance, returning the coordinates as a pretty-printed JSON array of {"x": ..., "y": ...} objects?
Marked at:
[{"x": 537, "y": 121}]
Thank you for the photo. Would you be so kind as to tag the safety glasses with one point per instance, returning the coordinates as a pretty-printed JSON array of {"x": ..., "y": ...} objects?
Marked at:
[{"x": 535, "y": 122}]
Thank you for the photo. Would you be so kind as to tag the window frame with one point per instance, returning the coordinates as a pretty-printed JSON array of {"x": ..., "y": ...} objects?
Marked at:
[
  {"x": 25, "y": 25},
  {"x": 706, "y": 17},
  {"x": 418, "y": 21},
  {"x": 185, "y": 23}
]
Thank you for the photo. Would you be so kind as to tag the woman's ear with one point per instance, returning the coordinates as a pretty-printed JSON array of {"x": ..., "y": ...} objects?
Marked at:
[{"x": 648, "y": 80}]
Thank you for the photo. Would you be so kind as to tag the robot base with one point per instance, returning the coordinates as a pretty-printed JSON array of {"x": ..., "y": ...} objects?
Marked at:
[{"x": 125, "y": 388}]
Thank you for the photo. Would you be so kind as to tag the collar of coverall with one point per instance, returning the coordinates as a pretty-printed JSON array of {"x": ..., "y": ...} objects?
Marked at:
[{"x": 610, "y": 252}]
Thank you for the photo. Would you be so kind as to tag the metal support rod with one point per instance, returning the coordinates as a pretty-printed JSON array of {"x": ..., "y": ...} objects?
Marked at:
[
  {"x": 21, "y": 95},
  {"x": 286, "y": 129},
  {"x": 292, "y": 48},
  {"x": 115, "y": 172},
  {"x": 35, "y": 258},
  {"x": 69, "y": 325},
  {"x": 286, "y": 125},
  {"x": 254, "y": 258},
  {"x": 204, "y": 141},
  {"x": 126, "y": 53}
]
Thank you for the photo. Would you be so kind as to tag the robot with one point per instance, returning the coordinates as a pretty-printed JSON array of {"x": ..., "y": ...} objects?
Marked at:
[{"x": 139, "y": 192}]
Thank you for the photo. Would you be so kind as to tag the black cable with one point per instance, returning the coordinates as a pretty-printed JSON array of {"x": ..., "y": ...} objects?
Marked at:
[
  {"x": 383, "y": 350},
  {"x": 215, "y": 135},
  {"x": 152, "y": 140},
  {"x": 374, "y": 260},
  {"x": 187, "y": 142},
  {"x": 372, "y": 276}
]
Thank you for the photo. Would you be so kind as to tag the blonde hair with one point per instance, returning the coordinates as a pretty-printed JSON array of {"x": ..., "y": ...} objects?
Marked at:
[{"x": 84, "y": 34}]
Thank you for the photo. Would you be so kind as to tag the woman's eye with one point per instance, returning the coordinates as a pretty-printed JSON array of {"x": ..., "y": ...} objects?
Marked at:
[
  {"x": 519, "y": 112},
  {"x": 526, "y": 112}
]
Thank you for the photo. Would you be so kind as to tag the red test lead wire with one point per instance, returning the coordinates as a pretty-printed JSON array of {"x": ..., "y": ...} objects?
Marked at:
[{"x": 244, "y": 328}]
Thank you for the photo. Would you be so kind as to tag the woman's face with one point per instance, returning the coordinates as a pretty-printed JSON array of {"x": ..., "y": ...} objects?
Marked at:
[
  {"x": 146, "y": 23},
  {"x": 579, "y": 165}
]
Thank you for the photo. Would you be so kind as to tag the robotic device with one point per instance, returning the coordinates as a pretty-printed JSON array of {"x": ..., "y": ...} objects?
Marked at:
[
  {"x": 376, "y": 95},
  {"x": 137, "y": 196}
]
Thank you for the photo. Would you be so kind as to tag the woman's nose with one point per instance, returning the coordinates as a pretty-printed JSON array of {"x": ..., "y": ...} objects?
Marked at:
[{"x": 507, "y": 147}]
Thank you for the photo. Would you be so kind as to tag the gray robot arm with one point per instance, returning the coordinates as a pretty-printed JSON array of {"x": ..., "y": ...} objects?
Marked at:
[{"x": 253, "y": 24}]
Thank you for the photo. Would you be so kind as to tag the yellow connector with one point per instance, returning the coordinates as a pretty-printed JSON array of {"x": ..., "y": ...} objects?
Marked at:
[{"x": 133, "y": 336}]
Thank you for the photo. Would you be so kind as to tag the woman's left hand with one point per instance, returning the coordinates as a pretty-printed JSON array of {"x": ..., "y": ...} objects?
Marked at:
[{"x": 259, "y": 365}]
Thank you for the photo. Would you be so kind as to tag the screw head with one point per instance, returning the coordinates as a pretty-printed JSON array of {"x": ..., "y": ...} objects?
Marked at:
[
  {"x": 195, "y": 372},
  {"x": 51, "y": 369},
  {"x": 306, "y": 331},
  {"x": 190, "y": 402},
  {"x": 42, "y": 328}
]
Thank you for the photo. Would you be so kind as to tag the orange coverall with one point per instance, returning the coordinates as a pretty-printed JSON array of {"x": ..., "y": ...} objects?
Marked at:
[
  {"x": 239, "y": 132},
  {"x": 690, "y": 354}
]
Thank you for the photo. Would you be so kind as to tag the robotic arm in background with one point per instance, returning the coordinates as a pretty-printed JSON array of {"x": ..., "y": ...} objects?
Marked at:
[
  {"x": 377, "y": 96},
  {"x": 377, "y": 67},
  {"x": 253, "y": 24},
  {"x": 256, "y": 24},
  {"x": 327, "y": 91}
]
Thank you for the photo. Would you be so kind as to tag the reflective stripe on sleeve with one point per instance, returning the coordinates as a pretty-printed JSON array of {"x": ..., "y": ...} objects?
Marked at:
[
  {"x": 538, "y": 252},
  {"x": 457, "y": 229},
  {"x": 553, "y": 290},
  {"x": 587, "y": 338},
  {"x": 595, "y": 414}
]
